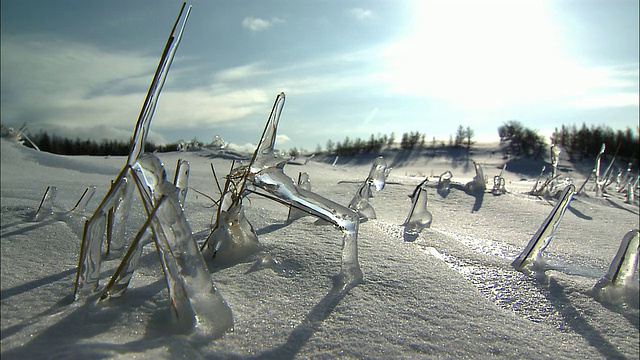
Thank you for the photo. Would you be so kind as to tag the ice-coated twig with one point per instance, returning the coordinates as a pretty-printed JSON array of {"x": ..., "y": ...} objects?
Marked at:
[
  {"x": 89, "y": 261},
  {"x": 81, "y": 204},
  {"x": 535, "y": 185},
  {"x": 531, "y": 256},
  {"x": 419, "y": 217},
  {"x": 499, "y": 183},
  {"x": 595, "y": 172},
  {"x": 624, "y": 264},
  {"x": 46, "y": 204}
]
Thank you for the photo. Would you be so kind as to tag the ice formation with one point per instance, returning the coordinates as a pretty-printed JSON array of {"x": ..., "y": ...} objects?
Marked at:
[
  {"x": 444, "y": 184},
  {"x": 304, "y": 182},
  {"x": 624, "y": 264},
  {"x": 46, "y": 204},
  {"x": 595, "y": 173},
  {"x": 531, "y": 257},
  {"x": 499, "y": 183},
  {"x": 419, "y": 217},
  {"x": 197, "y": 306},
  {"x": 378, "y": 173},
  {"x": 478, "y": 183},
  {"x": 360, "y": 202},
  {"x": 264, "y": 175}
]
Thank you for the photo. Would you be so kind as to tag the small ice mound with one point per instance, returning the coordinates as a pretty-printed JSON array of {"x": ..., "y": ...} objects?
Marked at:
[
  {"x": 285, "y": 268},
  {"x": 234, "y": 239}
]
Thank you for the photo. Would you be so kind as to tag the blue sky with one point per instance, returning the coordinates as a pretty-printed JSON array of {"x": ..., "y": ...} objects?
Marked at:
[{"x": 348, "y": 68}]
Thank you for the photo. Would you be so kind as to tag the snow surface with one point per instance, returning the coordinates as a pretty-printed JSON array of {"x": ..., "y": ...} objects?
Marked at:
[{"x": 450, "y": 294}]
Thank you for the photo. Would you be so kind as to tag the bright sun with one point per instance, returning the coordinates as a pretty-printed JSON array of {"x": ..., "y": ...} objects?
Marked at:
[{"x": 484, "y": 54}]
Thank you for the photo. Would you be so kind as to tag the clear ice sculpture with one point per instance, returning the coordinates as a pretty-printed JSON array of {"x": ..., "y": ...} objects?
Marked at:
[
  {"x": 555, "y": 160},
  {"x": 444, "y": 184},
  {"x": 377, "y": 179},
  {"x": 116, "y": 203},
  {"x": 419, "y": 217},
  {"x": 531, "y": 257},
  {"x": 45, "y": 209},
  {"x": 197, "y": 306},
  {"x": 499, "y": 183},
  {"x": 264, "y": 175},
  {"x": 624, "y": 264},
  {"x": 478, "y": 183}
]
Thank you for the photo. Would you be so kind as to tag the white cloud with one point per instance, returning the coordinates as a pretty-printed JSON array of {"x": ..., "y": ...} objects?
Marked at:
[
  {"x": 258, "y": 24},
  {"x": 361, "y": 14}
]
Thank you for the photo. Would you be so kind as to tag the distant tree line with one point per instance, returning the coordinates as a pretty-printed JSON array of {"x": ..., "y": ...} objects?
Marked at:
[
  {"x": 65, "y": 146},
  {"x": 520, "y": 140},
  {"x": 409, "y": 141},
  {"x": 586, "y": 142}
]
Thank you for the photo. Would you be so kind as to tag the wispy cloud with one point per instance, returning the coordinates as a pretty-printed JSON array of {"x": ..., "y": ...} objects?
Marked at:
[
  {"x": 361, "y": 14},
  {"x": 258, "y": 24}
]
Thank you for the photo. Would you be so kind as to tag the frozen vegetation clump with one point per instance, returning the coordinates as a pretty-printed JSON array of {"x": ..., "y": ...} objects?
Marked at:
[
  {"x": 530, "y": 259},
  {"x": 419, "y": 217},
  {"x": 264, "y": 175},
  {"x": 197, "y": 307}
]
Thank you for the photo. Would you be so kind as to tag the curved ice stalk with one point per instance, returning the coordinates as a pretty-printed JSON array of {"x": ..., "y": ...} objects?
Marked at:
[
  {"x": 624, "y": 264},
  {"x": 534, "y": 190},
  {"x": 478, "y": 183},
  {"x": 197, "y": 304},
  {"x": 181, "y": 179},
  {"x": 419, "y": 217},
  {"x": 378, "y": 173},
  {"x": 46, "y": 204},
  {"x": 532, "y": 254},
  {"x": 303, "y": 183},
  {"x": 360, "y": 202},
  {"x": 276, "y": 183},
  {"x": 265, "y": 156},
  {"x": 151, "y": 101}
]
